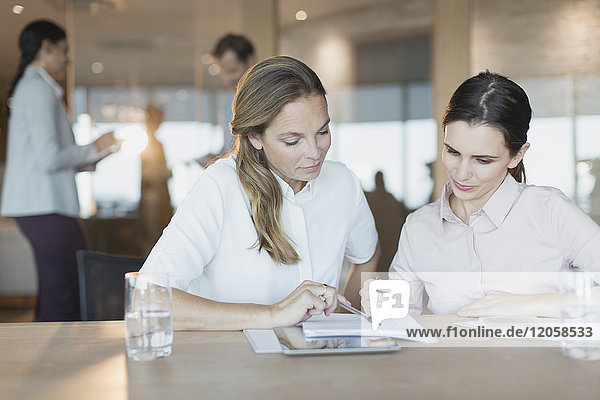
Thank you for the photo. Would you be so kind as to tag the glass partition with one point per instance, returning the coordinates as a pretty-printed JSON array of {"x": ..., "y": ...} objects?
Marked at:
[{"x": 546, "y": 47}]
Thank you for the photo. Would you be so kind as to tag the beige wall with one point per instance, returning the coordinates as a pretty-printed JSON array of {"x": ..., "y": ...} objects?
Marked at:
[
  {"x": 260, "y": 23},
  {"x": 536, "y": 38},
  {"x": 450, "y": 59},
  {"x": 336, "y": 36}
]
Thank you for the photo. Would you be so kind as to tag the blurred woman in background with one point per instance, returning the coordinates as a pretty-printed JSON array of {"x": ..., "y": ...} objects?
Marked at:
[{"x": 42, "y": 159}]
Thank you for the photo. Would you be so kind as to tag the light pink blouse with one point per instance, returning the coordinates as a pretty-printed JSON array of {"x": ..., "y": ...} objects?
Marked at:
[{"x": 518, "y": 242}]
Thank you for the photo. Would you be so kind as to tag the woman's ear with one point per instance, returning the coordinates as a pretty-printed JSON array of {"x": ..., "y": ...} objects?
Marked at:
[
  {"x": 519, "y": 156},
  {"x": 43, "y": 50},
  {"x": 255, "y": 140},
  {"x": 46, "y": 46}
]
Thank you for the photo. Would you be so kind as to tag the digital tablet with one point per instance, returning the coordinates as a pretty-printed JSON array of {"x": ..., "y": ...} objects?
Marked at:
[{"x": 294, "y": 343}]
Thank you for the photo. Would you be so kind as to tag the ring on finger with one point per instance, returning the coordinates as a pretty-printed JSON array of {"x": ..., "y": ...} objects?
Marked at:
[{"x": 324, "y": 290}]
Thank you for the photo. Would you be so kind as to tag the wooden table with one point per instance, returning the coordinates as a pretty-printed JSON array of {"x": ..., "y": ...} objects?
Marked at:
[{"x": 86, "y": 360}]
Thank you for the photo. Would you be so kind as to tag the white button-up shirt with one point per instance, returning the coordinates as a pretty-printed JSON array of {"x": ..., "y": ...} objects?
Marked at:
[
  {"x": 518, "y": 242},
  {"x": 209, "y": 249}
]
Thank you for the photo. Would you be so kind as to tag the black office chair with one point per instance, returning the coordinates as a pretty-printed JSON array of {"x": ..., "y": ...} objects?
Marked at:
[{"x": 102, "y": 284}]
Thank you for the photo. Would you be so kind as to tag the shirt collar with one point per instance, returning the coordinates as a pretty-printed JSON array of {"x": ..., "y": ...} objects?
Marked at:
[
  {"x": 496, "y": 208},
  {"x": 446, "y": 212},
  {"x": 288, "y": 192},
  {"x": 58, "y": 90}
]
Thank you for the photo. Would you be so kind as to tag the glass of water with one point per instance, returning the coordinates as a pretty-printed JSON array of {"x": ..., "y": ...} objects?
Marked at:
[
  {"x": 580, "y": 308},
  {"x": 148, "y": 316}
]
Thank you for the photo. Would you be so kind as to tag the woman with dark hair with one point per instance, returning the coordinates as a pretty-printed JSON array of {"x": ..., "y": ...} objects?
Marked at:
[
  {"x": 492, "y": 245},
  {"x": 42, "y": 159},
  {"x": 260, "y": 239}
]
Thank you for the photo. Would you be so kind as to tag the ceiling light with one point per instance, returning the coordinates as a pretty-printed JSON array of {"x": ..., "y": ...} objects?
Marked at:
[
  {"x": 182, "y": 95},
  {"x": 18, "y": 9},
  {"x": 97, "y": 67},
  {"x": 301, "y": 15},
  {"x": 214, "y": 69},
  {"x": 207, "y": 59}
]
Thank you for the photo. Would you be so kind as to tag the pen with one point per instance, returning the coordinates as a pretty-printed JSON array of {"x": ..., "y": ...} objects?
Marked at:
[
  {"x": 354, "y": 311},
  {"x": 351, "y": 309},
  {"x": 357, "y": 311}
]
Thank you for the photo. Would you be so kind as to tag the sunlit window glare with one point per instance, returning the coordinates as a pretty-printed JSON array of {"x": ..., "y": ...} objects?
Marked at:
[
  {"x": 584, "y": 167},
  {"x": 135, "y": 139}
]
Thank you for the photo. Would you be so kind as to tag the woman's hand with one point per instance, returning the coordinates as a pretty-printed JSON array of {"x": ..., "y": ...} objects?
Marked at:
[
  {"x": 365, "y": 299},
  {"x": 308, "y": 299},
  {"x": 496, "y": 304},
  {"x": 294, "y": 339},
  {"x": 108, "y": 141}
]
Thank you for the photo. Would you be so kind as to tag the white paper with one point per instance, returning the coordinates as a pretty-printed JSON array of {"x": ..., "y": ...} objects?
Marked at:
[
  {"x": 263, "y": 340},
  {"x": 354, "y": 325}
]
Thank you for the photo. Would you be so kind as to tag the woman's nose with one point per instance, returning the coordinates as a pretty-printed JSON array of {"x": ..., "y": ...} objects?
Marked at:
[
  {"x": 463, "y": 171},
  {"x": 312, "y": 150}
]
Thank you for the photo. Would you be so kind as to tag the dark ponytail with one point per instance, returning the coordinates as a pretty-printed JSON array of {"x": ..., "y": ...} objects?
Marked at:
[
  {"x": 518, "y": 172},
  {"x": 493, "y": 100},
  {"x": 30, "y": 42}
]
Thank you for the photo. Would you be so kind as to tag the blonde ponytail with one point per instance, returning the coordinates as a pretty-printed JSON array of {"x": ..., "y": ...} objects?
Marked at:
[{"x": 266, "y": 199}]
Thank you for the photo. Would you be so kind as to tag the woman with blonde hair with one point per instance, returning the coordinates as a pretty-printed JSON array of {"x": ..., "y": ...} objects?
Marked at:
[{"x": 260, "y": 239}]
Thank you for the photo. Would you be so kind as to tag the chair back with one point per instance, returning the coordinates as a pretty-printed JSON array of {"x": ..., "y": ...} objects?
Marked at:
[{"x": 102, "y": 284}]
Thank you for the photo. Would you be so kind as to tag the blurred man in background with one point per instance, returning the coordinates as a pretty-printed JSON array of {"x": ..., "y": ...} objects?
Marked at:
[{"x": 234, "y": 54}]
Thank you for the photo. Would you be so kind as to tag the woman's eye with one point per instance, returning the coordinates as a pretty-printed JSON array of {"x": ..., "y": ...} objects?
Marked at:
[
  {"x": 453, "y": 152},
  {"x": 485, "y": 162},
  {"x": 324, "y": 132},
  {"x": 292, "y": 143}
]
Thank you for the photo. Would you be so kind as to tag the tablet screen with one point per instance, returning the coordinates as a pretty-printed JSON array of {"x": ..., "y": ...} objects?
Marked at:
[{"x": 293, "y": 342}]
